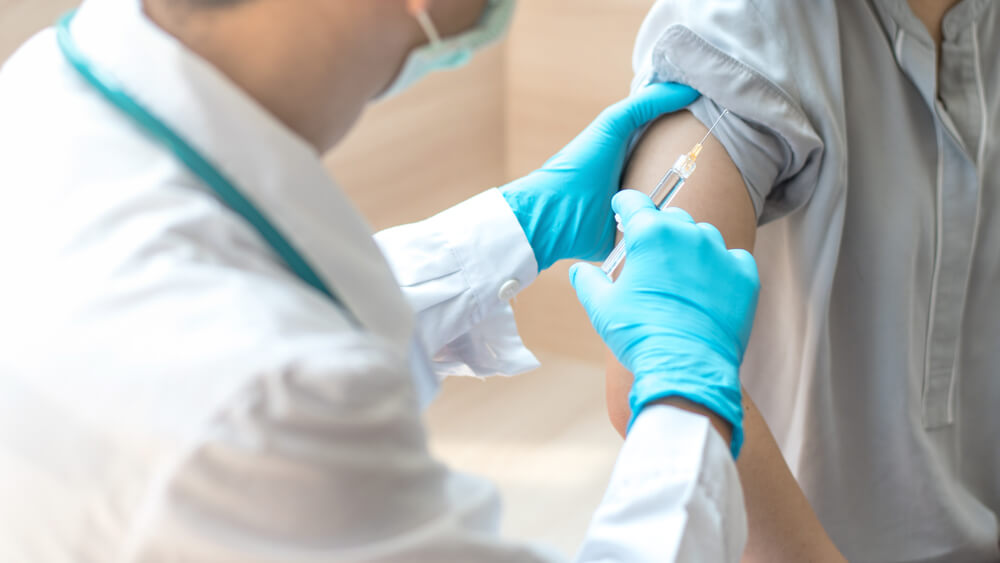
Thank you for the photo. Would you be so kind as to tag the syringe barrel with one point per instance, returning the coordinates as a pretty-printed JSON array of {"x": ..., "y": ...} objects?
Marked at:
[
  {"x": 662, "y": 195},
  {"x": 614, "y": 259},
  {"x": 667, "y": 189}
]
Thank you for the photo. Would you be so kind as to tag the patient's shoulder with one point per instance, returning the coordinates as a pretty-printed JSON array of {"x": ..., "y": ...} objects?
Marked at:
[
  {"x": 790, "y": 44},
  {"x": 775, "y": 65}
]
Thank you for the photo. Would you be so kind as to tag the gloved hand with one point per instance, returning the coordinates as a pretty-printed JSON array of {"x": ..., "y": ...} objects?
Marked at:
[
  {"x": 680, "y": 313},
  {"x": 564, "y": 207}
]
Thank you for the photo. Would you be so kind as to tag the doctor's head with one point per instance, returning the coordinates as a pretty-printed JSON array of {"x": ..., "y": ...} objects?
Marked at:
[{"x": 315, "y": 64}]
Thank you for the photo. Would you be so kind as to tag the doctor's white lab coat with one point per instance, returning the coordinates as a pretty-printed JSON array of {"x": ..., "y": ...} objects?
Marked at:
[{"x": 170, "y": 392}]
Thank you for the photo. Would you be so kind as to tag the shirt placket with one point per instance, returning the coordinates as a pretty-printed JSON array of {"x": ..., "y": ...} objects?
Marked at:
[{"x": 955, "y": 218}]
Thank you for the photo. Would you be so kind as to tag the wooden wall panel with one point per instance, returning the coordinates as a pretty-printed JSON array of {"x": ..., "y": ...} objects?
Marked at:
[
  {"x": 433, "y": 146},
  {"x": 20, "y": 19},
  {"x": 567, "y": 60}
]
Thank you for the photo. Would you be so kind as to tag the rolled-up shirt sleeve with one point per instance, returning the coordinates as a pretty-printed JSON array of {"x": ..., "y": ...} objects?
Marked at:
[
  {"x": 459, "y": 270},
  {"x": 740, "y": 59}
]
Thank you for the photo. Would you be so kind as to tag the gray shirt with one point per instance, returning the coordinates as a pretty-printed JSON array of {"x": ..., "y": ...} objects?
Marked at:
[{"x": 875, "y": 173}]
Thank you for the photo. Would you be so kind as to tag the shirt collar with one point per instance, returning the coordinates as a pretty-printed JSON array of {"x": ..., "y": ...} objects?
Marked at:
[
  {"x": 273, "y": 167},
  {"x": 897, "y": 14}
]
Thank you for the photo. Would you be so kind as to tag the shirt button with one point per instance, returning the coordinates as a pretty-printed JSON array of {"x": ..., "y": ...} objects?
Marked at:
[{"x": 508, "y": 290}]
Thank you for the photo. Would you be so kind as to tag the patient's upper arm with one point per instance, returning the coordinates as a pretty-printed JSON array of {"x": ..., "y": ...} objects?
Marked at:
[
  {"x": 764, "y": 61},
  {"x": 715, "y": 193}
]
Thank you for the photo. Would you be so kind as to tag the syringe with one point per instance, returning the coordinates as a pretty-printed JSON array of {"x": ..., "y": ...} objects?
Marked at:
[{"x": 663, "y": 194}]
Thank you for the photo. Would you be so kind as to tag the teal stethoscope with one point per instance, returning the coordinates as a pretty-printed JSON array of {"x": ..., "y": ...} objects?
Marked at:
[{"x": 198, "y": 165}]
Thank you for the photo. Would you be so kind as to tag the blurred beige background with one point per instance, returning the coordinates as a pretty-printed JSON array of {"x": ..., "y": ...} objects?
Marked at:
[{"x": 543, "y": 437}]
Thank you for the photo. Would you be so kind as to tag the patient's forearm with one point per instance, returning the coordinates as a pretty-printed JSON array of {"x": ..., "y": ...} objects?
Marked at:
[{"x": 783, "y": 526}]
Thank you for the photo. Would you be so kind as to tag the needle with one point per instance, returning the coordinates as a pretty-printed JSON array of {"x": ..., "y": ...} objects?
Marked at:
[
  {"x": 714, "y": 125},
  {"x": 661, "y": 195},
  {"x": 696, "y": 151}
]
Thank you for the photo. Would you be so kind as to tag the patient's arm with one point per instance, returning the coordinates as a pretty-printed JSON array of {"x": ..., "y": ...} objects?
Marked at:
[{"x": 783, "y": 526}]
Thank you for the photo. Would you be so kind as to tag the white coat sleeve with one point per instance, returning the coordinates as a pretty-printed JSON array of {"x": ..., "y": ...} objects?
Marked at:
[
  {"x": 320, "y": 459},
  {"x": 459, "y": 270},
  {"x": 674, "y": 495},
  {"x": 326, "y": 460}
]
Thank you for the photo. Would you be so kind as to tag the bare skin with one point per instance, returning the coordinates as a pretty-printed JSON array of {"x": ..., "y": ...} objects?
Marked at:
[
  {"x": 932, "y": 12},
  {"x": 317, "y": 66},
  {"x": 783, "y": 526}
]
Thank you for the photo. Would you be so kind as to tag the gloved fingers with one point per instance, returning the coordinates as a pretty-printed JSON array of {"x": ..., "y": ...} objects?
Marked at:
[
  {"x": 643, "y": 223},
  {"x": 627, "y": 203},
  {"x": 678, "y": 214},
  {"x": 649, "y": 103},
  {"x": 747, "y": 266},
  {"x": 590, "y": 284},
  {"x": 712, "y": 234}
]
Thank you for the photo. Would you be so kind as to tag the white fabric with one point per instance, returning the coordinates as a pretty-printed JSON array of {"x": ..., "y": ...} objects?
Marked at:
[
  {"x": 874, "y": 170},
  {"x": 169, "y": 392},
  {"x": 470, "y": 326},
  {"x": 635, "y": 520}
]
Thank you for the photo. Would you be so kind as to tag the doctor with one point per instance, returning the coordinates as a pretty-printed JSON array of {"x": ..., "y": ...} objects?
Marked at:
[{"x": 208, "y": 357}]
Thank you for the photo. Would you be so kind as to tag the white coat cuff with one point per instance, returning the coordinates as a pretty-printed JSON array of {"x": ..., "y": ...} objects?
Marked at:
[
  {"x": 674, "y": 495},
  {"x": 497, "y": 262},
  {"x": 491, "y": 248},
  {"x": 459, "y": 270}
]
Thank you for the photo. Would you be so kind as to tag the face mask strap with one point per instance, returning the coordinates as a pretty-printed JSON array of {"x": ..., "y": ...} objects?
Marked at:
[
  {"x": 444, "y": 54},
  {"x": 428, "y": 26}
]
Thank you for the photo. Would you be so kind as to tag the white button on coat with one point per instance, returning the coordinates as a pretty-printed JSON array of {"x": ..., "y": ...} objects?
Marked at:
[{"x": 509, "y": 290}]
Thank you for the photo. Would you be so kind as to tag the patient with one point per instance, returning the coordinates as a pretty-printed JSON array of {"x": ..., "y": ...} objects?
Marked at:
[{"x": 860, "y": 168}]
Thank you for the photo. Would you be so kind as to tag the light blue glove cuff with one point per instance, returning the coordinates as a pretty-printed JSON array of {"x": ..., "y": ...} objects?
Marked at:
[
  {"x": 723, "y": 399},
  {"x": 523, "y": 202},
  {"x": 564, "y": 207},
  {"x": 546, "y": 219}
]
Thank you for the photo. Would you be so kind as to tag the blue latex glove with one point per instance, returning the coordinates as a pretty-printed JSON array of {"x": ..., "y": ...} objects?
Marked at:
[
  {"x": 564, "y": 207},
  {"x": 680, "y": 314}
]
